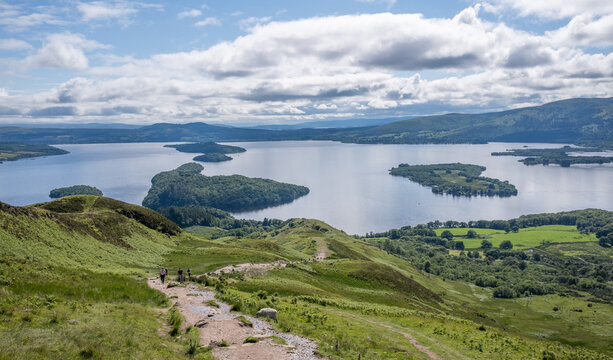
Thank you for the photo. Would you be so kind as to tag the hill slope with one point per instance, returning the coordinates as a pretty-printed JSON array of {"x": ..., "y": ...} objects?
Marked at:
[
  {"x": 572, "y": 121},
  {"x": 566, "y": 121}
]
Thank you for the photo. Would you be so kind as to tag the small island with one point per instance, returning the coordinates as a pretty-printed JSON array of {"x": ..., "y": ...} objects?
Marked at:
[
  {"x": 557, "y": 156},
  {"x": 211, "y": 152},
  {"x": 186, "y": 186},
  {"x": 75, "y": 190},
  {"x": 212, "y": 157},
  {"x": 455, "y": 179},
  {"x": 16, "y": 151}
]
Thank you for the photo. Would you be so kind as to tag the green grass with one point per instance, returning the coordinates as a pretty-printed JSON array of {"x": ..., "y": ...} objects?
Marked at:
[{"x": 525, "y": 238}]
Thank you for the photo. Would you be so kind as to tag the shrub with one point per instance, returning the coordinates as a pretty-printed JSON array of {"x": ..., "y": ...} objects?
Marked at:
[
  {"x": 251, "y": 339},
  {"x": 504, "y": 292}
]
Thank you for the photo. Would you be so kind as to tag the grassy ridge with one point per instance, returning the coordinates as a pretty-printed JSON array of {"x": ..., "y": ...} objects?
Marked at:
[
  {"x": 72, "y": 285},
  {"x": 73, "y": 291}
]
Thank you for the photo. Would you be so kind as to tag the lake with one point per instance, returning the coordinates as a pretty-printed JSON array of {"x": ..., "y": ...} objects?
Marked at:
[{"x": 350, "y": 185}]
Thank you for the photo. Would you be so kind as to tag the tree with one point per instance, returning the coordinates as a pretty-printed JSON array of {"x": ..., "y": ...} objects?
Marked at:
[
  {"x": 486, "y": 244},
  {"x": 459, "y": 245},
  {"x": 506, "y": 245},
  {"x": 427, "y": 267},
  {"x": 471, "y": 234},
  {"x": 447, "y": 235}
]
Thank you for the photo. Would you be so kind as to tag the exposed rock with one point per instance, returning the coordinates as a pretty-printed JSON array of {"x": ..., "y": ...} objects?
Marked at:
[
  {"x": 268, "y": 313},
  {"x": 200, "y": 323}
]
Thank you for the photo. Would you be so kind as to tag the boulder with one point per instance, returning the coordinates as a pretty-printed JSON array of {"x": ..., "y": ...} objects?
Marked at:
[{"x": 267, "y": 313}]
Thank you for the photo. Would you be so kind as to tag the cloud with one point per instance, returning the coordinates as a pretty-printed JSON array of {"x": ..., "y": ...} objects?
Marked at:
[
  {"x": 14, "y": 44},
  {"x": 586, "y": 30},
  {"x": 248, "y": 23},
  {"x": 551, "y": 9},
  {"x": 333, "y": 66},
  {"x": 64, "y": 51},
  {"x": 101, "y": 10},
  {"x": 14, "y": 20},
  {"x": 208, "y": 21},
  {"x": 189, "y": 13}
]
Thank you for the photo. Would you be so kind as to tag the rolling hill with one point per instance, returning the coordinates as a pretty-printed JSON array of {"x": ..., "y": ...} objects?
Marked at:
[
  {"x": 73, "y": 272},
  {"x": 567, "y": 121}
]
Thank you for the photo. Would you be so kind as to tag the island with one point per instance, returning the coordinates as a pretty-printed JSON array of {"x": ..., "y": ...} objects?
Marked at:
[
  {"x": 211, "y": 151},
  {"x": 74, "y": 190},
  {"x": 212, "y": 157},
  {"x": 186, "y": 186},
  {"x": 455, "y": 179},
  {"x": 15, "y": 151},
  {"x": 559, "y": 156}
]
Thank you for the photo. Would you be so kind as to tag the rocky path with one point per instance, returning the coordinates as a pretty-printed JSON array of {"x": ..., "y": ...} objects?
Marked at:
[
  {"x": 216, "y": 323},
  {"x": 322, "y": 249}
]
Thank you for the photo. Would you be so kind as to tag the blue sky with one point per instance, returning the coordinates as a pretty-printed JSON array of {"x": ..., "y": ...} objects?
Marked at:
[{"x": 257, "y": 62}]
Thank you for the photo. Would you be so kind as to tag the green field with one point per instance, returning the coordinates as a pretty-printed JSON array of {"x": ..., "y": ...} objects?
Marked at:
[{"x": 524, "y": 238}]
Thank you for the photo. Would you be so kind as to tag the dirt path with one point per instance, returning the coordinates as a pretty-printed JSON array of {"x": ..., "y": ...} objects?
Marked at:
[
  {"x": 217, "y": 323},
  {"x": 322, "y": 249},
  {"x": 423, "y": 349}
]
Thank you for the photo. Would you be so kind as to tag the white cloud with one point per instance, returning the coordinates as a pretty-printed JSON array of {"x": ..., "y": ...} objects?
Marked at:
[
  {"x": 65, "y": 50},
  {"x": 332, "y": 66},
  {"x": 585, "y": 30},
  {"x": 551, "y": 9},
  {"x": 248, "y": 23},
  {"x": 14, "y": 44},
  {"x": 101, "y": 10},
  {"x": 189, "y": 13},
  {"x": 3, "y": 92},
  {"x": 14, "y": 20},
  {"x": 208, "y": 21}
]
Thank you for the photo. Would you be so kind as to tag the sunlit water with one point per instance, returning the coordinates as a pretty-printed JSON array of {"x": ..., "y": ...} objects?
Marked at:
[{"x": 350, "y": 185}]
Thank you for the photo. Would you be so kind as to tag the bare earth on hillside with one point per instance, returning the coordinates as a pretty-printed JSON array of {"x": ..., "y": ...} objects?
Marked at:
[
  {"x": 322, "y": 249},
  {"x": 221, "y": 324}
]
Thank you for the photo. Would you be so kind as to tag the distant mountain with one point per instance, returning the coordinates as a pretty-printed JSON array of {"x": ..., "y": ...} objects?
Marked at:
[
  {"x": 330, "y": 124},
  {"x": 76, "y": 126},
  {"x": 566, "y": 121}
]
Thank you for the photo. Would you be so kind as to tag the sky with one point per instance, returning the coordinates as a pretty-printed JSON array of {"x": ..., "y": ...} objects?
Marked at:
[{"x": 243, "y": 62}]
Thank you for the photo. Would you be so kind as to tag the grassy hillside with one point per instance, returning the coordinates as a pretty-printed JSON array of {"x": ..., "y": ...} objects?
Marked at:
[
  {"x": 361, "y": 292},
  {"x": 72, "y": 285},
  {"x": 72, "y": 271}
]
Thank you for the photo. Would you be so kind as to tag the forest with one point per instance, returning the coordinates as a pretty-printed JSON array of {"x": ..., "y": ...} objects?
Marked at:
[
  {"x": 74, "y": 190},
  {"x": 15, "y": 151},
  {"x": 186, "y": 186},
  {"x": 545, "y": 269},
  {"x": 455, "y": 179},
  {"x": 559, "y": 156}
]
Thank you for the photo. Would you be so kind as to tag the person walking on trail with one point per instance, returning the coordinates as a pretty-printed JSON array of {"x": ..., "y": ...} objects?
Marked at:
[
  {"x": 180, "y": 272},
  {"x": 189, "y": 273},
  {"x": 162, "y": 274}
]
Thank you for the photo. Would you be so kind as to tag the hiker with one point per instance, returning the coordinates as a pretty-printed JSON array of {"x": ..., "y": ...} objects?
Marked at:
[
  {"x": 180, "y": 272},
  {"x": 189, "y": 273},
  {"x": 162, "y": 274}
]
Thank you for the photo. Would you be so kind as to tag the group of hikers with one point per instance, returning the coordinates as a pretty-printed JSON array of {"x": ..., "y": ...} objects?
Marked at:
[{"x": 180, "y": 276}]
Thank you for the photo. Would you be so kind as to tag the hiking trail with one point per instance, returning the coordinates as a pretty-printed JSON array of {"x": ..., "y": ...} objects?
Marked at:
[{"x": 217, "y": 323}]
